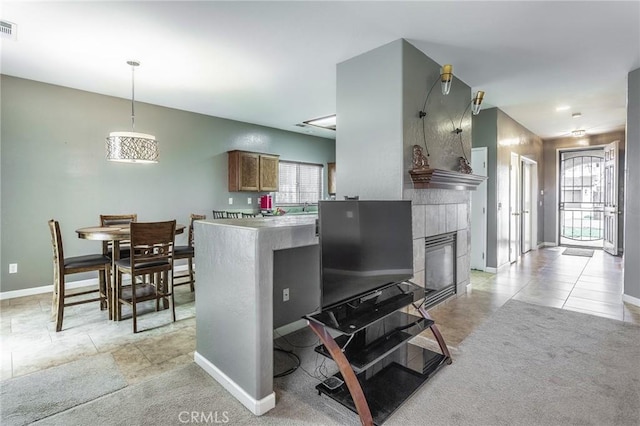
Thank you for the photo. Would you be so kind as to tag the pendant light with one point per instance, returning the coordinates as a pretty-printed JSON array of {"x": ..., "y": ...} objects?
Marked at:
[{"x": 132, "y": 147}]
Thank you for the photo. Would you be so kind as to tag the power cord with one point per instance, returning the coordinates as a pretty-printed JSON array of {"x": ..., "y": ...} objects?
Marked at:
[{"x": 291, "y": 355}]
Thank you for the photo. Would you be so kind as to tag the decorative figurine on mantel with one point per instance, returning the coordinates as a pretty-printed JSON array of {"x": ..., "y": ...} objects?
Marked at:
[
  {"x": 420, "y": 162},
  {"x": 464, "y": 166}
]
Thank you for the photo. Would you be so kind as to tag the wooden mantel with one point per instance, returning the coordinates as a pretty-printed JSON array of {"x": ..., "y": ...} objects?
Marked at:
[{"x": 444, "y": 179}]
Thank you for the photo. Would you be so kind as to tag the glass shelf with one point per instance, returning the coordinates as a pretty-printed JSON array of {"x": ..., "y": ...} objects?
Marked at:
[
  {"x": 386, "y": 390},
  {"x": 364, "y": 350}
]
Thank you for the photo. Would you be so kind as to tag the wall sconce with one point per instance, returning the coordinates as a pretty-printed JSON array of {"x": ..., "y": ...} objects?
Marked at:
[
  {"x": 132, "y": 147},
  {"x": 445, "y": 78},
  {"x": 463, "y": 162},
  {"x": 578, "y": 133}
]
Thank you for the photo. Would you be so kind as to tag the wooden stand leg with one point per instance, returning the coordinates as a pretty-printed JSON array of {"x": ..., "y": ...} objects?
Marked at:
[
  {"x": 436, "y": 333},
  {"x": 347, "y": 373}
]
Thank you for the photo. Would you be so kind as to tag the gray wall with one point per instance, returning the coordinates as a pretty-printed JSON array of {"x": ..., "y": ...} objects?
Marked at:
[
  {"x": 444, "y": 114},
  {"x": 369, "y": 111},
  {"x": 503, "y": 135},
  {"x": 632, "y": 199},
  {"x": 551, "y": 147},
  {"x": 53, "y": 166},
  {"x": 379, "y": 95}
]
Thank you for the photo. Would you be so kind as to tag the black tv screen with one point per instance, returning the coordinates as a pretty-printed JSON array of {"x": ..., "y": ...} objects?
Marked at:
[{"x": 364, "y": 246}]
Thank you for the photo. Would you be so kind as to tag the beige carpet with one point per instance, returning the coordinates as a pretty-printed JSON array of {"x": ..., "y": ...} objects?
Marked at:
[{"x": 527, "y": 365}]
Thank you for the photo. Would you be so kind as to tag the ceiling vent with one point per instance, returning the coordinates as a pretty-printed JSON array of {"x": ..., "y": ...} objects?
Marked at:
[{"x": 8, "y": 30}]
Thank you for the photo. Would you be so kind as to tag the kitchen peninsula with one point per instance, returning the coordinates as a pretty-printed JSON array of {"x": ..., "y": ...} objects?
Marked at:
[{"x": 236, "y": 310}]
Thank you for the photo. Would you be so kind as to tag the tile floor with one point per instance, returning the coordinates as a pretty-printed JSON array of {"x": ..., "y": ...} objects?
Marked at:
[{"x": 28, "y": 341}]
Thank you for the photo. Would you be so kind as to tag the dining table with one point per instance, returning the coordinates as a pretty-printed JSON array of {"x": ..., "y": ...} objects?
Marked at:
[{"x": 115, "y": 234}]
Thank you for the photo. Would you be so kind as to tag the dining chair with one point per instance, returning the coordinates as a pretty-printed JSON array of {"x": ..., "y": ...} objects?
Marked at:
[
  {"x": 117, "y": 219},
  {"x": 73, "y": 265},
  {"x": 218, "y": 214},
  {"x": 152, "y": 245},
  {"x": 187, "y": 252},
  {"x": 250, "y": 214},
  {"x": 233, "y": 215}
]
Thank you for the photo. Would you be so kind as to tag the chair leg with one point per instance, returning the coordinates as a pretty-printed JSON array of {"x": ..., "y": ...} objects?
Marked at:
[
  {"x": 60, "y": 302},
  {"x": 134, "y": 311},
  {"x": 118, "y": 289},
  {"x": 192, "y": 276},
  {"x": 109, "y": 285},
  {"x": 102, "y": 280}
]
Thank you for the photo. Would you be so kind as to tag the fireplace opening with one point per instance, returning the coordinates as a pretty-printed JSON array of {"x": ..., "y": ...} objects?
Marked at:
[{"x": 440, "y": 268}]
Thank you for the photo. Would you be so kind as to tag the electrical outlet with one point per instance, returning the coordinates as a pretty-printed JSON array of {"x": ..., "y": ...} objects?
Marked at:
[
  {"x": 249, "y": 200},
  {"x": 13, "y": 269},
  {"x": 285, "y": 295},
  {"x": 230, "y": 200}
]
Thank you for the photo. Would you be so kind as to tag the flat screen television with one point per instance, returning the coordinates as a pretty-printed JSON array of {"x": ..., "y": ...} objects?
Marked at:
[{"x": 365, "y": 246}]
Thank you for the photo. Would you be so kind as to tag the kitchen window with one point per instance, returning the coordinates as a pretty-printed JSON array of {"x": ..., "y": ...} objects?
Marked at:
[{"x": 299, "y": 183}]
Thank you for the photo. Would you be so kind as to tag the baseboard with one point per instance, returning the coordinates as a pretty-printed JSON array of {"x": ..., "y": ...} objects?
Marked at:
[
  {"x": 548, "y": 244},
  {"x": 498, "y": 269},
  {"x": 257, "y": 407},
  {"x": 290, "y": 328},
  {"x": 630, "y": 299},
  {"x": 49, "y": 288}
]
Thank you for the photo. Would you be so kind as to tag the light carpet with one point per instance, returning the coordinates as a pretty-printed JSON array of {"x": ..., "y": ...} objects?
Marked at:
[
  {"x": 526, "y": 365},
  {"x": 34, "y": 396}
]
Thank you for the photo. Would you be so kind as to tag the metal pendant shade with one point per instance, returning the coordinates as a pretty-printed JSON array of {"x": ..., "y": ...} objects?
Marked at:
[{"x": 132, "y": 147}]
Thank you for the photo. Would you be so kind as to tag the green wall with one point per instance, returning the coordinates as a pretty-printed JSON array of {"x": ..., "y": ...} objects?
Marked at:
[{"x": 53, "y": 166}]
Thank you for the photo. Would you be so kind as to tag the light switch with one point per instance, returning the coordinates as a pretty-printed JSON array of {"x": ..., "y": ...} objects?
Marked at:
[
  {"x": 230, "y": 200},
  {"x": 249, "y": 200}
]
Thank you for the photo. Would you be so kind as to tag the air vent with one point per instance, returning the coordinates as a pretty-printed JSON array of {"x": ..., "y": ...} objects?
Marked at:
[{"x": 8, "y": 30}]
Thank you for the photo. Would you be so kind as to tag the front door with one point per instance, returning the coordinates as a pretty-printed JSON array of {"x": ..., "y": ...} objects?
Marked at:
[{"x": 611, "y": 198}]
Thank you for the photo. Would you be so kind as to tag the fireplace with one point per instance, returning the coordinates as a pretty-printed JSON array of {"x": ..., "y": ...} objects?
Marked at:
[{"x": 440, "y": 267}]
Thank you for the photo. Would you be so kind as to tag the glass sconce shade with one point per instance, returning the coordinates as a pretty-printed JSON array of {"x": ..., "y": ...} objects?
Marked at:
[
  {"x": 446, "y": 77},
  {"x": 476, "y": 102},
  {"x": 132, "y": 147}
]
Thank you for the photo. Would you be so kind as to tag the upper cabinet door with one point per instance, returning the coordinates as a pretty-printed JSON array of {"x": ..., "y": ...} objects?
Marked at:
[
  {"x": 269, "y": 172},
  {"x": 243, "y": 171},
  {"x": 253, "y": 172}
]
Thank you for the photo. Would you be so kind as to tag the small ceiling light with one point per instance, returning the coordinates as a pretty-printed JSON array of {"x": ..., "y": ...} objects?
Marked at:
[
  {"x": 132, "y": 147},
  {"x": 446, "y": 77},
  {"x": 578, "y": 133},
  {"x": 576, "y": 115},
  {"x": 562, "y": 108},
  {"x": 328, "y": 122}
]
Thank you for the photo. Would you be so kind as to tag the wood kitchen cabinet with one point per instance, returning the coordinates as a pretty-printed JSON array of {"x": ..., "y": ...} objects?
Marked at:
[{"x": 252, "y": 172}]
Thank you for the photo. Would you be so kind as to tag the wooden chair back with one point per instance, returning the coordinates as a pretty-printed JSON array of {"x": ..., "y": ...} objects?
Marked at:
[
  {"x": 152, "y": 245},
  {"x": 233, "y": 215},
  {"x": 218, "y": 214},
  {"x": 194, "y": 217},
  {"x": 116, "y": 219}
]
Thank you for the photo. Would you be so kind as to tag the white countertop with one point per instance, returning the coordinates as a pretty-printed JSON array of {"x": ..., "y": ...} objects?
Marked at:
[{"x": 268, "y": 221}]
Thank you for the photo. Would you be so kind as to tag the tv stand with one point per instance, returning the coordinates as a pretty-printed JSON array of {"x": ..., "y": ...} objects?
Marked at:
[{"x": 379, "y": 370}]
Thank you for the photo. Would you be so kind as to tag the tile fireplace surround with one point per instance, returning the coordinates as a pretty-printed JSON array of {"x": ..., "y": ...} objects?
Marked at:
[{"x": 436, "y": 211}]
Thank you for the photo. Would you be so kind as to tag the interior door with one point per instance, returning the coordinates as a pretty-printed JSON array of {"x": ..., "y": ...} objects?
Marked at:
[
  {"x": 514, "y": 208},
  {"x": 479, "y": 211},
  {"x": 611, "y": 198},
  {"x": 527, "y": 207}
]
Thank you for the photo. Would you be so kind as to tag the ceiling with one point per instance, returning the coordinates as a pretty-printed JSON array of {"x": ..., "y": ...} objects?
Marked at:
[{"x": 274, "y": 63}]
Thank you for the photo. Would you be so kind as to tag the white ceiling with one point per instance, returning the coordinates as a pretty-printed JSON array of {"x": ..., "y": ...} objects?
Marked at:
[{"x": 274, "y": 63}]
